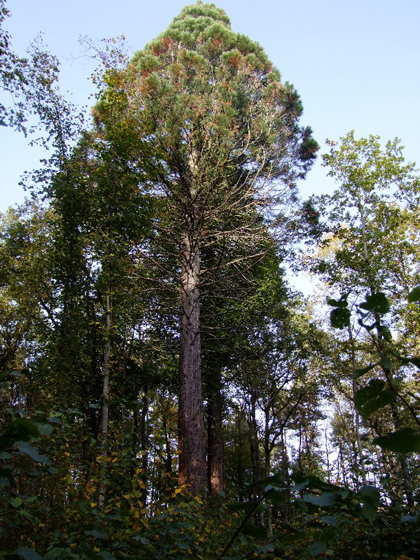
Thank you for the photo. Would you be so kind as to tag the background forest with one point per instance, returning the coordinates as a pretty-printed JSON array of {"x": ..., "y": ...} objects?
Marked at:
[{"x": 165, "y": 391}]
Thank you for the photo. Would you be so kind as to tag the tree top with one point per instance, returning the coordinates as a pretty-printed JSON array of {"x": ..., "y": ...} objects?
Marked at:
[
  {"x": 199, "y": 10},
  {"x": 204, "y": 28}
]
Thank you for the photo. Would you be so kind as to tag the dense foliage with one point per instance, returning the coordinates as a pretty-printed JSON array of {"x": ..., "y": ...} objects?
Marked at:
[{"x": 164, "y": 392}]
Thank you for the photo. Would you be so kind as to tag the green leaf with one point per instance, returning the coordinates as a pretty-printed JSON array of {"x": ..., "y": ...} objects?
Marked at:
[
  {"x": 28, "y": 554},
  {"x": 409, "y": 519},
  {"x": 414, "y": 361},
  {"x": 32, "y": 452},
  {"x": 5, "y": 455},
  {"x": 106, "y": 555},
  {"x": 359, "y": 372},
  {"x": 342, "y": 302},
  {"x": 317, "y": 548},
  {"x": 19, "y": 429},
  {"x": 376, "y": 302},
  {"x": 275, "y": 497},
  {"x": 16, "y": 502},
  {"x": 371, "y": 499},
  {"x": 406, "y": 440},
  {"x": 14, "y": 373},
  {"x": 256, "y": 531},
  {"x": 373, "y": 397},
  {"x": 324, "y": 500},
  {"x": 300, "y": 486},
  {"x": 60, "y": 552},
  {"x": 386, "y": 363},
  {"x": 414, "y": 295},
  {"x": 44, "y": 429},
  {"x": 96, "y": 534},
  {"x": 384, "y": 331},
  {"x": 340, "y": 318},
  {"x": 330, "y": 519}
]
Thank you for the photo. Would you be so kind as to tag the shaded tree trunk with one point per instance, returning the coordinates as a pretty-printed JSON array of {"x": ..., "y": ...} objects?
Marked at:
[
  {"x": 191, "y": 433},
  {"x": 105, "y": 398},
  {"x": 254, "y": 441},
  {"x": 216, "y": 472}
]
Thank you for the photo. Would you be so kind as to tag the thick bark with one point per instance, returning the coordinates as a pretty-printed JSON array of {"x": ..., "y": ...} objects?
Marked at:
[
  {"x": 191, "y": 434},
  {"x": 215, "y": 442}
]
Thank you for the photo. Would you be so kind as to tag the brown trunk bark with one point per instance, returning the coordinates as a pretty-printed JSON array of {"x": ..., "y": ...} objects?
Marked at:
[
  {"x": 191, "y": 434},
  {"x": 215, "y": 442}
]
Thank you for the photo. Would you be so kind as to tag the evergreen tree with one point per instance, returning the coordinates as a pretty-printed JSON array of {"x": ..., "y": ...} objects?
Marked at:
[{"x": 225, "y": 138}]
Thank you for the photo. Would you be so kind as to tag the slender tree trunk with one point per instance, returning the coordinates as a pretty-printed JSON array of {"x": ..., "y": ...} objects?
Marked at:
[
  {"x": 286, "y": 512},
  {"x": 267, "y": 443},
  {"x": 105, "y": 397},
  {"x": 360, "y": 465},
  {"x": 215, "y": 441},
  {"x": 144, "y": 445},
  {"x": 267, "y": 466},
  {"x": 191, "y": 433},
  {"x": 168, "y": 458},
  {"x": 254, "y": 442}
]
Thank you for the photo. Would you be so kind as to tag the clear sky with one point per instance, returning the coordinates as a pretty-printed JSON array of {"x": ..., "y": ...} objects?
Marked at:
[{"x": 355, "y": 63}]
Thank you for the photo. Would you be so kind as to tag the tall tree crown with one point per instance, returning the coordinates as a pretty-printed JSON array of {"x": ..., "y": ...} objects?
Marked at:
[{"x": 204, "y": 89}]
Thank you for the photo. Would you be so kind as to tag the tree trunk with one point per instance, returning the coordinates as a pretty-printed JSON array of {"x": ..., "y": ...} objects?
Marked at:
[
  {"x": 254, "y": 441},
  {"x": 105, "y": 397},
  {"x": 215, "y": 441},
  {"x": 191, "y": 434},
  {"x": 144, "y": 445}
]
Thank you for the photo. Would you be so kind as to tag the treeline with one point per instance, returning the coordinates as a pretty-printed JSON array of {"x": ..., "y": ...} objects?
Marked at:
[{"x": 165, "y": 393}]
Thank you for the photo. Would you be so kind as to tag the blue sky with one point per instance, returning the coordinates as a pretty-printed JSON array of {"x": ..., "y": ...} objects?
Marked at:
[{"x": 355, "y": 64}]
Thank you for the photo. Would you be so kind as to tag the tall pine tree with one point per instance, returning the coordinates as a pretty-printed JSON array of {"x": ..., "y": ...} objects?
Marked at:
[{"x": 226, "y": 146}]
